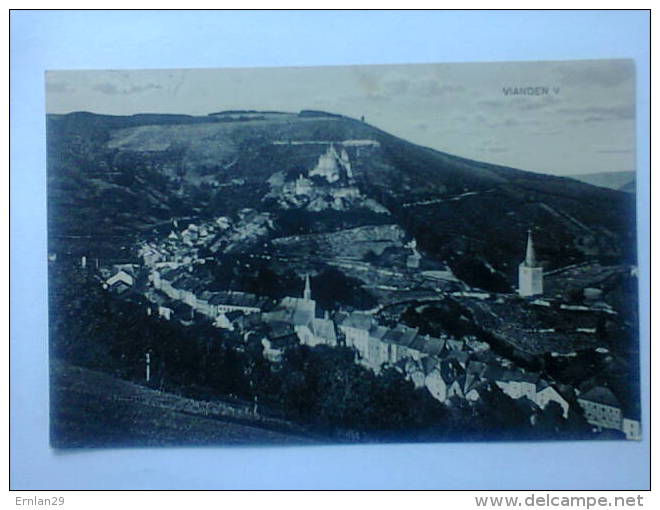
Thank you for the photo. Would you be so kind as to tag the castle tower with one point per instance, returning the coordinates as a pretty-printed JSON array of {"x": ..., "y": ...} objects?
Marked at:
[
  {"x": 307, "y": 295},
  {"x": 530, "y": 273}
]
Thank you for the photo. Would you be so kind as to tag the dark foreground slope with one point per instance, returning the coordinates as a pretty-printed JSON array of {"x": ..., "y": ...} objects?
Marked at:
[
  {"x": 91, "y": 409},
  {"x": 111, "y": 178}
]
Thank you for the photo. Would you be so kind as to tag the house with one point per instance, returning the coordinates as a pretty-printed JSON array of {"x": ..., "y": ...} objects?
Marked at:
[
  {"x": 324, "y": 331},
  {"x": 165, "y": 281},
  {"x": 546, "y": 393},
  {"x": 473, "y": 386},
  {"x": 203, "y": 304},
  {"x": 601, "y": 408},
  {"x": 165, "y": 312},
  {"x": 417, "y": 345},
  {"x": 316, "y": 332},
  {"x": 412, "y": 261},
  {"x": 455, "y": 389},
  {"x": 437, "y": 385},
  {"x": 517, "y": 384},
  {"x": 150, "y": 255},
  {"x": 432, "y": 346},
  {"x": 223, "y": 222},
  {"x": 379, "y": 351},
  {"x": 187, "y": 287},
  {"x": 428, "y": 364},
  {"x": 447, "y": 378},
  {"x": 166, "y": 264},
  {"x": 229, "y": 301},
  {"x": 355, "y": 328},
  {"x": 439, "y": 377},
  {"x": 632, "y": 429},
  {"x": 523, "y": 385},
  {"x": 476, "y": 345},
  {"x": 121, "y": 276},
  {"x": 477, "y": 368},
  {"x": 454, "y": 345},
  {"x": 401, "y": 338},
  {"x": 528, "y": 382},
  {"x": 414, "y": 373},
  {"x": 279, "y": 337},
  {"x": 221, "y": 321},
  {"x": 305, "y": 335},
  {"x": 120, "y": 282},
  {"x": 119, "y": 287},
  {"x": 160, "y": 304},
  {"x": 460, "y": 357}
]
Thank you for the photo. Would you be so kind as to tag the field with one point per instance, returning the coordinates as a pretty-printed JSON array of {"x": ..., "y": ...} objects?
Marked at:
[{"x": 90, "y": 408}]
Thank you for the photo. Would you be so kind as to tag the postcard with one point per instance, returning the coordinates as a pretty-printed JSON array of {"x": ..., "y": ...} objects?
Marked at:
[{"x": 349, "y": 254}]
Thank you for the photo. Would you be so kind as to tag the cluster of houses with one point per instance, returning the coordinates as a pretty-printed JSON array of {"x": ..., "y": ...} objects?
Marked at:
[
  {"x": 447, "y": 367},
  {"x": 193, "y": 235},
  {"x": 180, "y": 247},
  {"x": 180, "y": 285}
]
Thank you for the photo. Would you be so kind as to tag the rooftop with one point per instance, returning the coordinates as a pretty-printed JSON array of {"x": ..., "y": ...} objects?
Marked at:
[
  {"x": 358, "y": 320},
  {"x": 324, "y": 328},
  {"x": 433, "y": 346},
  {"x": 601, "y": 395}
]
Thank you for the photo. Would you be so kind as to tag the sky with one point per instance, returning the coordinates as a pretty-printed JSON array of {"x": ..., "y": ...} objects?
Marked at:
[{"x": 562, "y": 118}]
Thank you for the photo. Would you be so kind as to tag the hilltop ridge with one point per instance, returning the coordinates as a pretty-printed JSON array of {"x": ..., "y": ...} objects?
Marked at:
[{"x": 116, "y": 175}]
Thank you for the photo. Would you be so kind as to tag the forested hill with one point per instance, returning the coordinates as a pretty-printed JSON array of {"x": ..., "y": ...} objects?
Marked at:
[{"x": 111, "y": 178}]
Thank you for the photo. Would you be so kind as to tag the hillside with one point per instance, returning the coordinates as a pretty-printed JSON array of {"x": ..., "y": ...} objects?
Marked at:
[
  {"x": 112, "y": 179},
  {"x": 91, "y": 408},
  {"x": 621, "y": 181}
]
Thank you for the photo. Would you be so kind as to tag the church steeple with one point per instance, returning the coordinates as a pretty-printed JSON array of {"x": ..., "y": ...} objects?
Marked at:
[
  {"x": 530, "y": 256},
  {"x": 530, "y": 272},
  {"x": 308, "y": 290}
]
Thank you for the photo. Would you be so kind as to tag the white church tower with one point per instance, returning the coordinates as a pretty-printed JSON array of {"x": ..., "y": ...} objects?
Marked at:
[{"x": 530, "y": 273}]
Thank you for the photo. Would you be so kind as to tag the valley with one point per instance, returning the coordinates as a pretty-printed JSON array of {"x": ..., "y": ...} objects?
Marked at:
[{"x": 279, "y": 235}]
